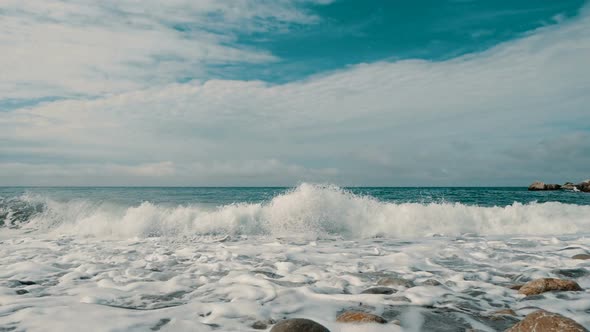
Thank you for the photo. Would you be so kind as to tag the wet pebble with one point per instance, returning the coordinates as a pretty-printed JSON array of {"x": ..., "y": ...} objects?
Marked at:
[
  {"x": 359, "y": 317},
  {"x": 539, "y": 286},
  {"x": 542, "y": 320},
  {"x": 298, "y": 325}
]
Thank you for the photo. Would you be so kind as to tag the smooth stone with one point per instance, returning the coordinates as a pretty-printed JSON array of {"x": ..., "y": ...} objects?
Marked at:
[
  {"x": 359, "y": 317},
  {"x": 544, "y": 321},
  {"x": 581, "y": 256},
  {"x": 379, "y": 290},
  {"x": 389, "y": 281},
  {"x": 298, "y": 325},
  {"x": 21, "y": 291},
  {"x": 540, "y": 286}
]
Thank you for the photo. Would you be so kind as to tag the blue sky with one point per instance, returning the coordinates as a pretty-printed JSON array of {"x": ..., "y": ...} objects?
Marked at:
[
  {"x": 352, "y": 32},
  {"x": 259, "y": 92}
]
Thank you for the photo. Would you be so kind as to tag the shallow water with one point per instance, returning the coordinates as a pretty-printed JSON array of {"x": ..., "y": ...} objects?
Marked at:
[{"x": 110, "y": 260}]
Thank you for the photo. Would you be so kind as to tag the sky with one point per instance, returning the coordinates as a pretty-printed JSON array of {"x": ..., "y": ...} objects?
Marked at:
[{"x": 279, "y": 92}]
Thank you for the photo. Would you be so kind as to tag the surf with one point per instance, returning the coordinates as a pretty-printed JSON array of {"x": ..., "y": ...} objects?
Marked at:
[{"x": 306, "y": 210}]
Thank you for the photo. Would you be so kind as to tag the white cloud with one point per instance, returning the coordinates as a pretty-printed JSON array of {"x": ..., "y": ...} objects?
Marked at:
[
  {"x": 72, "y": 48},
  {"x": 462, "y": 121}
]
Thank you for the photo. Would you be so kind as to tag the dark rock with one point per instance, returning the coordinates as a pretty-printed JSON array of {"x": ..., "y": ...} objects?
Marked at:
[
  {"x": 298, "y": 325},
  {"x": 359, "y": 317},
  {"x": 581, "y": 256},
  {"x": 542, "y": 320},
  {"x": 21, "y": 291},
  {"x": 584, "y": 186},
  {"x": 379, "y": 290},
  {"x": 393, "y": 281},
  {"x": 539, "y": 286},
  {"x": 552, "y": 187}
]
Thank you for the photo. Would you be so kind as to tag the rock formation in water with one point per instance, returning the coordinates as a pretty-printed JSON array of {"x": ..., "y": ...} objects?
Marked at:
[{"x": 582, "y": 186}]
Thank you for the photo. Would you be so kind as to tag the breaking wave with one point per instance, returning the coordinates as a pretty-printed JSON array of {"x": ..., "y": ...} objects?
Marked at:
[{"x": 306, "y": 210}]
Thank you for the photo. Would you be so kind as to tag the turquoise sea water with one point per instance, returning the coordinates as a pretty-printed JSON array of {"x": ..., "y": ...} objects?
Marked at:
[{"x": 480, "y": 196}]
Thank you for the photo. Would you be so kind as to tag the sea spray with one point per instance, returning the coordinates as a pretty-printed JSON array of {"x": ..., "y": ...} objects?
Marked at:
[{"x": 307, "y": 210}]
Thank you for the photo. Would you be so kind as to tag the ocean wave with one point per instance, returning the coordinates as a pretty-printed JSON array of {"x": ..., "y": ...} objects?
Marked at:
[{"x": 308, "y": 210}]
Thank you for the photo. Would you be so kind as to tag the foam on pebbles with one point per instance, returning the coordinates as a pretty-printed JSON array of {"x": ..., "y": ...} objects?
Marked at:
[{"x": 202, "y": 284}]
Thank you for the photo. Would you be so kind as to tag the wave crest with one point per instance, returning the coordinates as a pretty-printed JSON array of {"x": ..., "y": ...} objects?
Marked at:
[{"x": 311, "y": 210}]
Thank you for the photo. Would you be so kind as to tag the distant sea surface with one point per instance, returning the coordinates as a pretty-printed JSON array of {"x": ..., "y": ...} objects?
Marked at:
[{"x": 482, "y": 196}]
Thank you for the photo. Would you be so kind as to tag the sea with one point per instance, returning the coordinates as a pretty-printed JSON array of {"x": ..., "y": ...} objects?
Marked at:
[{"x": 241, "y": 259}]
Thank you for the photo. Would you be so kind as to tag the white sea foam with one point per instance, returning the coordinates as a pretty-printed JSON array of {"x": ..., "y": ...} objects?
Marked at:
[
  {"x": 310, "y": 252},
  {"x": 309, "y": 210}
]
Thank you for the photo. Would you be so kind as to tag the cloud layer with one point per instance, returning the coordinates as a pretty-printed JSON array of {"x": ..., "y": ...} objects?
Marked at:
[
  {"x": 89, "y": 48},
  {"x": 510, "y": 115}
]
